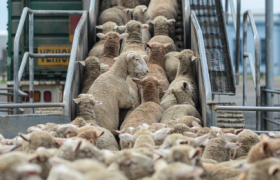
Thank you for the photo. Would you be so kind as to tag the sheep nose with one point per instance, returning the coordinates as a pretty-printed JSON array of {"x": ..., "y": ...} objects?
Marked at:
[{"x": 147, "y": 71}]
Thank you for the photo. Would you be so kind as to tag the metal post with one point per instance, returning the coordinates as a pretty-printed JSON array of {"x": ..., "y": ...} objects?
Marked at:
[
  {"x": 237, "y": 46},
  {"x": 16, "y": 54},
  {"x": 244, "y": 61},
  {"x": 226, "y": 13},
  {"x": 31, "y": 63},
  {"x": 269, "y": 80}
]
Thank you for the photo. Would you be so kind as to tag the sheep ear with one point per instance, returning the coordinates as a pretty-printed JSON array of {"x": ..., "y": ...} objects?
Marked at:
[
  {"x": 99, "y": 27},
  {"x": 25, "y": 137},
  {"x": 153, "y": 22},
  {"x": 121, "y": 28},
  {"x": 123, "y": 35},
  {"x": 99, "y": 133},
  {"x": 195, "y": 124},
  {"x": 103, "y": 66},
  {"x": 231, "y": 145},
  {"x": 101, "y": 35},
  {"x": 82, "y": 63},
  {"x": 145, "y": 26},
  {"x": 129, "y": 56},
  {"x": 185, "y": 85},
  {"x": 148, "y": 45},
  {"x": 178, "y": 56},
  {"x": 77, "y": 101},
  {"x": 117, "y": 132},
  {"x": 160, "y": 81},
  {"x": 161, "y": 133},
  {"x": 263, "y": 147},
  {"x": 137, "y": 81},
  {"x": 238, "y": 131},
  {"x": 59, "y": 141},
  {"x": 166, "y": 45},
  {"x": 171, "y": 21},
  {"x": 202, "y": 140},
  {"x": 73, "y": 129},
  {"x": 144, "y": 10},
  {"x": 162, "y": 152},
  {"x": 215, "y": 129},
  {"x": 264, "y": 137},
  {"x": 193, "y": 58},
  {"x": 116, "y": 58},
  {"x": 78, "y": 146},
  {"x": 273, "y": 170},
  {"x": 128, "y": 11},
  {"x": 113, "y": 167},
  {"x": 194, "y": 153},
  {"x": 231, "y": 137},
  {"x": 6, "y": 148},
  {"x": 128, "y": 138}
]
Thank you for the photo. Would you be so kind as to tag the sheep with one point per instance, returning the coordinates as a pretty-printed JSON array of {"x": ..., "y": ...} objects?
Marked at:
[
  {"x": 171, "y": 65},
  {"x": 177, "y": 139},
  {"x": 175, "y": 171},
  {"x": 149, "y": 111},
  {"x": 41, "y": 157},
  {"x": 140, "y": 14},
  {"x": 134, "y": 41},
  {"x": 166, "y": 8},
  {"x": 111, "y": 88},
  {"x": 135, "y": 165},
  {"x": 143, "y": 137},
  {"x": 74, "y": 149},
  {"x": 163, "y": 40},
  {"x": 183, "y": 153},
  {"x": 105, "y": 174},
  {"x": 215, "y": 172},
  {"x": 129, "y": 3},
  {"x": 91, "y": 72},
  {"x": 179, "y": 93},
  {"x": 218, "y": 149},
  {"x": 180, "y": 128},
  {"x": 15, "y": 165},
  {"x": 38, "y": 139},
  {"x": 187, "y": 120},
  {"x": 263, "y": 169},
  {"x": 108, "y": 4},
  {"x": 186, "y": 72},
  {"x": 117, "y": 14},
  {"x": 6, "y": 148},
  {"x": 275, "y": 134},
  {"x": 62, "y": 172},
  {"x": 164, "y": 26},
  {"x": 264, "y": 149},
  {"x": 226, "y": 130},
  {"x": 178, "y": 111},
  {"x": 111, "y": 48},
  {"x": 85, "y": 111},
  {"x": 247, "y": 138},
  {"x": 156, "y": 64},
  {"x": 109, "y": 26}
]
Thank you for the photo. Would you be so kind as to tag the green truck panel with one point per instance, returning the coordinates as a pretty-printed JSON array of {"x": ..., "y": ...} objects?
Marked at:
[{"x": 48, "y": 30}]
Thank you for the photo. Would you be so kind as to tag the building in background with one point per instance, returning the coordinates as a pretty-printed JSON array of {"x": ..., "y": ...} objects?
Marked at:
[
  {"x": 3, "y": 52},
  {"x": 260, "y": 23}
]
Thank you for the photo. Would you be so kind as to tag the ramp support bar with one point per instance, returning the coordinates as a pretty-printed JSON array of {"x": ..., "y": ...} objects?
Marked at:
[{"x": 249, "y": 14}]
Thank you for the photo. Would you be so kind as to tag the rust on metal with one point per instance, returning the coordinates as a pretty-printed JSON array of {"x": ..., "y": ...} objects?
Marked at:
[{"x": 31, "y": 93}]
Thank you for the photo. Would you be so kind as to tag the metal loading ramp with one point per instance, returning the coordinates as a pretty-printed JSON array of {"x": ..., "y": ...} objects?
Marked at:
[{"x": 209, "y": 14}]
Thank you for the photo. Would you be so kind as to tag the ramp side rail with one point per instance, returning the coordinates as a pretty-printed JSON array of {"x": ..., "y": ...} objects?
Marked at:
[
  {"x": 236, "y": 24},
  {"x": 203, "y": 79}
]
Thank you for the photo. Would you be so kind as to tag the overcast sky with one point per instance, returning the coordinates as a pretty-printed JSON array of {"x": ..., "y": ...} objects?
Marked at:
[{"x": 254, "y": 5}]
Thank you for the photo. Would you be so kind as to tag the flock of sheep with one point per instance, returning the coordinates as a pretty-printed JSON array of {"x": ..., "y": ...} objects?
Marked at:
[{"x": 136, "y": 114}]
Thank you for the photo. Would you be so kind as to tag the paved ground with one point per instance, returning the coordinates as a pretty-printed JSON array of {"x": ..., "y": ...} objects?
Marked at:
[{"x": 250, "y": 117}]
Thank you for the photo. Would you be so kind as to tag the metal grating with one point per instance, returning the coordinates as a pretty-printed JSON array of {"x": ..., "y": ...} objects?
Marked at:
[{"x": 210, "y": 17}]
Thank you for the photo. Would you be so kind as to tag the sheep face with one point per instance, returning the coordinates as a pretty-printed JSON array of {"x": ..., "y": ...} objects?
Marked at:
[
  {"x": 136, "y": 64},
  {"x": 186, "y": 58},
  {"x": 183, "y": 92},
  {"x": 90, "y": 133}
]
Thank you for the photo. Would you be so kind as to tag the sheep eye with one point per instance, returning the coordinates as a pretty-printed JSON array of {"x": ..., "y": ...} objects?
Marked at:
[{"x": 136, "y": 59}]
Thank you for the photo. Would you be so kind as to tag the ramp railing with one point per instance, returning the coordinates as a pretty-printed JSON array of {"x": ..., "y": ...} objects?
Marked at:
[{"x": 82, "y": 27}]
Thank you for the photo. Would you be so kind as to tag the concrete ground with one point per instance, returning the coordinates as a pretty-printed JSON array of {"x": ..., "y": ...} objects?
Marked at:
[{"x": 250, "y": 117}]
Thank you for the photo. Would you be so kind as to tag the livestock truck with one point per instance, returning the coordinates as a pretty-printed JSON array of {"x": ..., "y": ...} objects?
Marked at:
[{"x": 47, "y": 38}]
